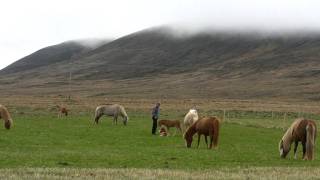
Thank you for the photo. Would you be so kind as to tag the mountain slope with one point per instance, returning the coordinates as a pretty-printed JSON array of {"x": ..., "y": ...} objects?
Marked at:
[{"x": 157, "y": 63}]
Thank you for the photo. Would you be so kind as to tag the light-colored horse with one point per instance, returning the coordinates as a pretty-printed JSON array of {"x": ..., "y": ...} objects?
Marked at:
[
  {"x": 190, "y": 118},
  {"x": 5, "y": 115},
  {"x": 303, "y": 130},
  {"x": 111, "y": 110}
]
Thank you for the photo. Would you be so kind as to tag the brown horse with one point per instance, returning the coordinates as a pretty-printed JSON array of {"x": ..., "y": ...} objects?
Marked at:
[
  {"x": 208, "y": 126},
  {"x": 170, "y": 123},
  {"x": 302, "y": 130},
  {"x": 5, "y": 115},
  {"x": 62, "y": 110}
]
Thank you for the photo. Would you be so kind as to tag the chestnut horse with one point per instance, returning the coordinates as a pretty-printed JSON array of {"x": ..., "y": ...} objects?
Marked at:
[
  {"x": 62, "y": 110},
  {"x": 302, "y": 130},
  {"x": 5, "y": 115},
  {"x": 208, "y": 126}
]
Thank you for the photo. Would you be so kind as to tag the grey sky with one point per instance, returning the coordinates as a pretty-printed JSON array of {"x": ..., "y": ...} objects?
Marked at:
[{"x": 27, "y": 26}]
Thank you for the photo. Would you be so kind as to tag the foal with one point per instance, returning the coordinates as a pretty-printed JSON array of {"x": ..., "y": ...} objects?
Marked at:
[{"x": 170, "y": 123}]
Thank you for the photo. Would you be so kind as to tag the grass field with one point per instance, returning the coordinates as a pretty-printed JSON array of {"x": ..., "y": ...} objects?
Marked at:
[{"x": 44, "y": 143}]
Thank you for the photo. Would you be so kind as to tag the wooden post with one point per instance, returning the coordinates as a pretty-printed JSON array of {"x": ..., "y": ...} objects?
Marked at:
[
  {"x": 284, "y": 120},
  {"x": 224, "y": 115}
]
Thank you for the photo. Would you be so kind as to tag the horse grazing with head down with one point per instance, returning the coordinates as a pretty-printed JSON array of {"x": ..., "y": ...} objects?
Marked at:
[
  {"x": 5, "y": 115},
  {"x": 62, "y": 110},
  {"x": 190, "y": 118},
  {"x": 111, "y": 110},
  {"x": 208, "y": 126},
  {"x": 301, "y": 130}
]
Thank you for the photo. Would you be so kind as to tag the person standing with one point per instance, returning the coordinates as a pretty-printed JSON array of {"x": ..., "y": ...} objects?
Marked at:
[{"x": 155, "y": 117}]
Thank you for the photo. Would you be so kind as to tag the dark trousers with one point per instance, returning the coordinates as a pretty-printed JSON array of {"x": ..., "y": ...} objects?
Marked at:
[{"x": 154, "y": 124}]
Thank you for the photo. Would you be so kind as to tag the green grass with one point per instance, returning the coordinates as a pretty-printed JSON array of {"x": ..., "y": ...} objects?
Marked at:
[{"x": 48, "y": 142}]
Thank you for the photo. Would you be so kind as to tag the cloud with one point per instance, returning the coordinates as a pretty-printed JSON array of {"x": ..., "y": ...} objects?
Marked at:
[{"x": 34, "y": 24}]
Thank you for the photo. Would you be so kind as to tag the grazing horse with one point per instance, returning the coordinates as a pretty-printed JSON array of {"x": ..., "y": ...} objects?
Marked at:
[
  {"x": 190, "y": 118},
  {"x": 62, "y": 110},
  {"x": 208, "y": 126},
  {"x": 303, "y": 130},
  {"x": 170, "y": 123},
  {"x": 5, "y": 115},
  {"x": 111, "y": 110}
]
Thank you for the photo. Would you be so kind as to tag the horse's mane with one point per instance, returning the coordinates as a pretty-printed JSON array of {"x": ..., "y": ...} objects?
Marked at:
[
  {"x": 123, "y": 112},
  {"x": 191, "y": 130},
  {"x": 288, "y": 136},
  {"x": 4, "y": 113}
]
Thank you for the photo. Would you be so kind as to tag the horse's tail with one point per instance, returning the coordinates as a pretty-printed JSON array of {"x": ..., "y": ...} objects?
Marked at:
[
  {"x": 97, "y": 114},
  {"x": 216, "y": 128},
  {"x": 311, "y": 135}
]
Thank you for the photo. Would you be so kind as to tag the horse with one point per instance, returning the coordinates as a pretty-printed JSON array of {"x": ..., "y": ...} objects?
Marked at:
[
  {"x": 208, "y": 126},
  {"x": 190, "y": 118},
  {"x": 163, "y": 131},
  {"x": 5, "y": 115},
  {"x": 170, "y": 123},
  {"x": 303, "y": 130},
  {"x": 111, "y": 110},
  {"x": 62, "y": 110}
]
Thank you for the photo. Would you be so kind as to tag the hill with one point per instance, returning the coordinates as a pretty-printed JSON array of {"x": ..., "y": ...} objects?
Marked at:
[{"x": 158, "y": 62}]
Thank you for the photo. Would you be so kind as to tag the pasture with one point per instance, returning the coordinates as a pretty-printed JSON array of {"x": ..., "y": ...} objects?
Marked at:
[{"x": 41, "y": 143}]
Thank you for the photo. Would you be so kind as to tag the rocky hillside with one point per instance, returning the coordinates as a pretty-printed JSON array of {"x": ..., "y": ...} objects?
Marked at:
[{"x": 159, "y": 63}]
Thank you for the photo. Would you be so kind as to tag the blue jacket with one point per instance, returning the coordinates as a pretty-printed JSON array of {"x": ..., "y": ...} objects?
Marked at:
[{"x": 156, "y": 111}]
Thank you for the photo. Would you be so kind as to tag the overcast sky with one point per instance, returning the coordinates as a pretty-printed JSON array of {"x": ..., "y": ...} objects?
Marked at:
[{"x": 27, "y": 26}]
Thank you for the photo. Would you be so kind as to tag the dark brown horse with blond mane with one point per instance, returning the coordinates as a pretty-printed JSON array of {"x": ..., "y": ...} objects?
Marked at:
[
  {"x": 301, "y": 130},
  {"x": 5, "y": 115},
  {"x": 208, "y": 126}
]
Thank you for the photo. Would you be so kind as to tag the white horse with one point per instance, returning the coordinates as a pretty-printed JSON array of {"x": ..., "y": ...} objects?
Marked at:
[
  {"x": 190, "y": 118},
  {"x": 111, "y": 110}
]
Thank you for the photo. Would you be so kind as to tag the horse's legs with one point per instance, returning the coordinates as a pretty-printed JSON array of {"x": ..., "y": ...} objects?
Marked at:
[
  {"x": 303, "y": 149},
  {"x": 295, "y": 149},
  {"x": 96, "y": 119},
  {"x": 198, "y": 140},
  {"x": 211, "y": 141},
  {"x": 114, "y": 119},
  {"x": 205, "y": 138}
]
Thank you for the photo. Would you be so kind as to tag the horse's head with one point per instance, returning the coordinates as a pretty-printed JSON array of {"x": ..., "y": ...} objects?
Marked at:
[
  {"x": 125, "y": 120},
  {"x": 7, "y": 124},
  {"x": 284, "y": 148},
  {"x": 188, "y": 140}
]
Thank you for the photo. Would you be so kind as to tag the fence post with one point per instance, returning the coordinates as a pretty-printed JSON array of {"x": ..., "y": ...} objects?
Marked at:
[{"x": 284, "y": 120}]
